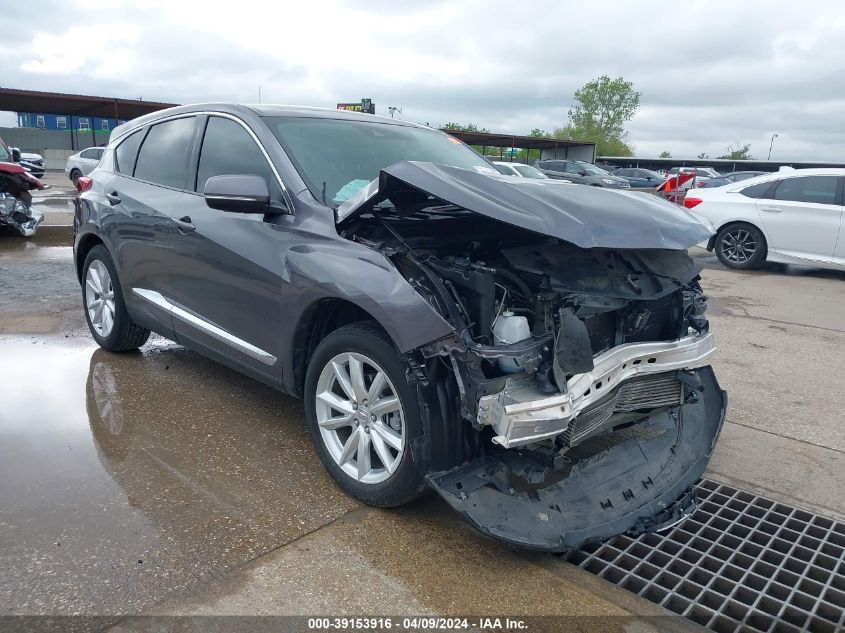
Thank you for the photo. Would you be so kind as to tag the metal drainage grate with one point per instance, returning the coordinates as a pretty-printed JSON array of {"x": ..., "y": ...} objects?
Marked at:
[{"x": 740, "y": 563}]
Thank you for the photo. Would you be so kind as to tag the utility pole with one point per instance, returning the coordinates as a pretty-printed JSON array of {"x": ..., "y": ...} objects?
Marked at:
[{"x": 774, "y": 136}]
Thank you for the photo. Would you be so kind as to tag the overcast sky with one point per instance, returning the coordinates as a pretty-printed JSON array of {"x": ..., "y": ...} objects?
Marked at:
[{"x": 712, "y": 73}]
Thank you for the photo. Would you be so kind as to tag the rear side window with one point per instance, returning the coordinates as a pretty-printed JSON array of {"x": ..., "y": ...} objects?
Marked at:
[
  {"x": 163, "y": 158},
  {"x": 227, "y": 148},
  {"x": 127, "y": 152},
  {"x": 813, "y": 189},
  {"x": 756, "y": 191}
]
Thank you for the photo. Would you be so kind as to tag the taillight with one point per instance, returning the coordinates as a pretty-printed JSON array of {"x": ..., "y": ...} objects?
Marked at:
[
  {"x": 689, "y": 203},
  {"x": 700, "y": 183},
  {"x": 83, "y": 183}
]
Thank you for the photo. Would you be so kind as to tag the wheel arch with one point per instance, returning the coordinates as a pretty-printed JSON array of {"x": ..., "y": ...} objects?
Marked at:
[
  {"x": 318, "y": 320},
  {"x": 86, "y": 243}
]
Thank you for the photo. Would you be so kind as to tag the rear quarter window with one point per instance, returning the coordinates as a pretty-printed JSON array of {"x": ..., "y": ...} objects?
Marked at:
[
  {"x": 127, "y": 153},
  {"x": 759, "y": 190}
]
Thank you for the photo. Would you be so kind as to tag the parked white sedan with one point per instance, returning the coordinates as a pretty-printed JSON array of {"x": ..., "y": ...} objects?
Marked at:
[
  {"x": 792, "y": 217},
  {"x": 81, "y": 163}
]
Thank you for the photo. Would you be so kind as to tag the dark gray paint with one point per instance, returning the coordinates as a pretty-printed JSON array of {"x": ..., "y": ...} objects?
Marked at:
[
  {"x": 256, "y": 276},
  {"x": 588, "y": 217}
]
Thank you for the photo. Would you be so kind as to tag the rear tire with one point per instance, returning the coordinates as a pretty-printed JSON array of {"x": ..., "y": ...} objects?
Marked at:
[
  {"x": 741, "y": 246},
  {"x": 102, "y": 301},
  {"x": 74, "y": 175},
  {"x": 353, "y": 377}
]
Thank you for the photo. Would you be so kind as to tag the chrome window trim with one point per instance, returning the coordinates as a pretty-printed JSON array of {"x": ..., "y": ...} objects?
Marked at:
[
  {"x": 182, "y": 115},
  {"x": 207, "y": 327}
]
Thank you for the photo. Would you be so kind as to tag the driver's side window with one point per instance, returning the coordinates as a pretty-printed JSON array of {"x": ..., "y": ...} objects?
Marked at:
[{"x": 572, "y": 168}]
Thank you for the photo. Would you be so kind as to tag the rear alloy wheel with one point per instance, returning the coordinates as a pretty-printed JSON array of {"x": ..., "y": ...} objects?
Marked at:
[
  {"x": 106, "y": 314},
  {"x": 363, "y": 416},
  {"x": 740, "y": 246}
]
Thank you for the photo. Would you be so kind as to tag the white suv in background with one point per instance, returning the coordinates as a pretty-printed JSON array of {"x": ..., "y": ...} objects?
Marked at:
[
  {"x": 82, "y": 163},
  {"x": 792, "y": 217}
]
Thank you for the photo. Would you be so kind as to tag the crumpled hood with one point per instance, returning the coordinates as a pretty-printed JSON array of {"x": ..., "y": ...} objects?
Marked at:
[{"x": 589, "y": 217}]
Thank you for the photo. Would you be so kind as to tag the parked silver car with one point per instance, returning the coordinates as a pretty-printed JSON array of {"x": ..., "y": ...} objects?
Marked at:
[{"x": 82, "y": 163}]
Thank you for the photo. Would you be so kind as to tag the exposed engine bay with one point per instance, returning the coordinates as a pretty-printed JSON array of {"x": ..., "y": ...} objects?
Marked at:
[
  {"x": 572, "y": 364},
  {"x": 535, "y": 310}
]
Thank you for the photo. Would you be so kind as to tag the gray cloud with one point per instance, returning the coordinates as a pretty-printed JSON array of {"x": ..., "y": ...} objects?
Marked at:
[{"x": 711, "y": 73}]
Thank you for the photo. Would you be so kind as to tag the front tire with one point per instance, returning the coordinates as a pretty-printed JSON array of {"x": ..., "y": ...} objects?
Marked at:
[
  {"x": 363, "y": 416},
  {"x": 102, "y": 298},
  {"x": 740, "y": 246}
]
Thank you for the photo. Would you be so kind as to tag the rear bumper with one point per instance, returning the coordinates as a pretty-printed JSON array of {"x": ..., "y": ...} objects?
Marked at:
[
  {"x": 520, "y": 414},
  {"x": 634, "y": 480}
]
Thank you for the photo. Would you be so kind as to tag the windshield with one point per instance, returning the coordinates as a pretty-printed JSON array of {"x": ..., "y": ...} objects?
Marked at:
[
  {"x": 592, "y": 169},
  {"x": 339, "y": 157},
  {"x": 527, "y": 171}
]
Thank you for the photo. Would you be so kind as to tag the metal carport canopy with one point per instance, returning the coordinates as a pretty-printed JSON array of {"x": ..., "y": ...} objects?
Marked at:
[
  {"x": 511, "y": 140},
  {"x": 14, "y": 100}
]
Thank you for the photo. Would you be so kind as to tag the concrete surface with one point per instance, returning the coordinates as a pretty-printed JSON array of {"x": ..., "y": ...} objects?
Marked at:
[{"x": 160, "y": 482}]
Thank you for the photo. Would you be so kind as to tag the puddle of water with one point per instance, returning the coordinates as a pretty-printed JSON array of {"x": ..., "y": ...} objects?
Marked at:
[{"x": 125, "y": 477}]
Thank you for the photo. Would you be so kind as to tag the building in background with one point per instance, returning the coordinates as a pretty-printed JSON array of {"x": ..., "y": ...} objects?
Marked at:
[{"x": 65, "y": 122}]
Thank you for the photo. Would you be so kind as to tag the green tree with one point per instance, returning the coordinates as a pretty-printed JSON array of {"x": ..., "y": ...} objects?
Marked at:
[
  {"x": 602, "y": 108},
  {"x": 464, "y": 127},
  {"x": 538, "y": 133},
  {"x": 665, "y": 154},
  {"x": 703, "y": 155},
  {"x": 739, "y": 152}
]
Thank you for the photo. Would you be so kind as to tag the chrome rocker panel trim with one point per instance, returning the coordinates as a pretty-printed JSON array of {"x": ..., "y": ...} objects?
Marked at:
[
  {"x": 159, "y": 300},
  {"x": 520, "y": 414}
]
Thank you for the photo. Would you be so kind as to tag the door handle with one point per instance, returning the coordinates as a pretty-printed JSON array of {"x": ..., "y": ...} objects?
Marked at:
[
  {"x": 771, "y": 209},
  {"x": 113, "y": 198},
  {"x": 185, "y": 225}
]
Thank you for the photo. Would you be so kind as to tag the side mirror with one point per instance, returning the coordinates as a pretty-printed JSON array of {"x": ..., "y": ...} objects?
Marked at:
[
  {"x": 582, "y": 173},
  {"x": 16, "y": 154},
  {"x": 237, "y": 194}
]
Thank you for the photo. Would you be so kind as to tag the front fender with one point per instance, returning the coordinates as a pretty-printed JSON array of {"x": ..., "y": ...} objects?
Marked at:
[{"x": 368, "y": 279}]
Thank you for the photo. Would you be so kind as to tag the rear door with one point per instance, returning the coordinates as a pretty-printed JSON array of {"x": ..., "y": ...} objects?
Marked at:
[
  {"x": 802, "y": 216},
  {"x": 150, "y": 192},
  {"x": 227, "y": 269}
]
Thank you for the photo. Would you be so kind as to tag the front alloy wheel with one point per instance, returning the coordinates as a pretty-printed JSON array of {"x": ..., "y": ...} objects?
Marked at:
[
  {"x": 361, "y": 421},
  {"x": 364, "y": 416}
]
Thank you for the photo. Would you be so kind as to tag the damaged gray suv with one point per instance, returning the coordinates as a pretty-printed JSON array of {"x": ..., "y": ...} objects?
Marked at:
[{"x": 536, "y": 354}]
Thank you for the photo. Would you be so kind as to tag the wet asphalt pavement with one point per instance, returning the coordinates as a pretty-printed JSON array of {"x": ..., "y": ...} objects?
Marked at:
[{"x": 161, "y": 480}]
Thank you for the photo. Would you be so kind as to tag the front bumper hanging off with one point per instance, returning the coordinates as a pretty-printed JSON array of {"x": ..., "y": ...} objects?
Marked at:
[
  {"x": 632, "y": 480},
  {"x": 520, "y": 414}
]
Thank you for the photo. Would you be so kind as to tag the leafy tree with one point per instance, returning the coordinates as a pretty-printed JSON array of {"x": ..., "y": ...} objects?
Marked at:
[
  {"x": 602, "y": 108},
  {"x": 538, "y": 133},
  {"x": 739, "y": 152},
  {"x": 465, "y": 127},
  {"x": 703, "y": 155},
  {"x": 665, "y": 154}
]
